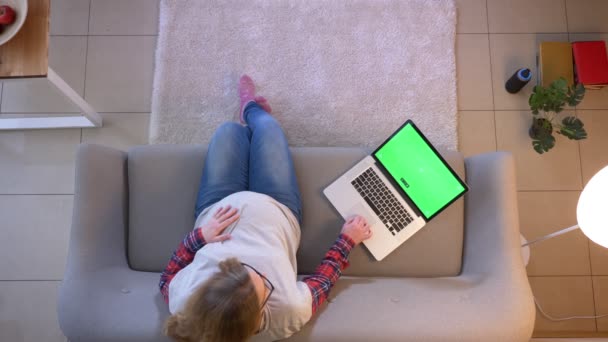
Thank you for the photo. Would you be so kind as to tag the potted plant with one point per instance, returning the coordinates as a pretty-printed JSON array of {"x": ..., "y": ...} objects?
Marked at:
[{"x": 546, "y": 103}]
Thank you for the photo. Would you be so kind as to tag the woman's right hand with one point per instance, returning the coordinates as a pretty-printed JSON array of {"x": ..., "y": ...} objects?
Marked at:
[
  {"x": 222, "y": 218},
  {"x": 357, "y": 229}
]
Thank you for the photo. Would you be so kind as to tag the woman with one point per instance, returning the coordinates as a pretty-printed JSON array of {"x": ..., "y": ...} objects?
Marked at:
[{"x": 234, "y": 276}]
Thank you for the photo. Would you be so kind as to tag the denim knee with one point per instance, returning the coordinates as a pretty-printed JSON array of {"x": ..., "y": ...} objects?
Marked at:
[{"x": 229, "y": 128}]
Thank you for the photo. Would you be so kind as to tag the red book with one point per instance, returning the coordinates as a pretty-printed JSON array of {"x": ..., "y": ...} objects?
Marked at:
[{"x": 591, "y": 62}]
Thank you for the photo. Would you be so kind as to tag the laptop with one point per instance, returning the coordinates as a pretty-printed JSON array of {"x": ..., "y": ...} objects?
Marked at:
[{"x": 400, "y": 187}]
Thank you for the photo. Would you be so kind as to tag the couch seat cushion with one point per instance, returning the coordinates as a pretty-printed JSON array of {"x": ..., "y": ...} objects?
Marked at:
[{"x": 163, "y": 183}]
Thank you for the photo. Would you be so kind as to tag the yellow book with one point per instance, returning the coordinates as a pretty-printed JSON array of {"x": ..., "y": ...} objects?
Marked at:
[{"x": 555, "y": 61}]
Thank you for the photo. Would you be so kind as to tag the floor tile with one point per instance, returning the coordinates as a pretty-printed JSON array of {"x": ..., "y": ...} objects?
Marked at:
[
  {"x": 69, "y": 17},
  {"x": 593, "y": 149},
  {"x": 38, "y": 162},
  {"x": 509, "y": 53},
  {"x": 120, "y": 130},
  {"x": 472, "y": 16},
  {"x": 28, "y": 311},
  {"x": 37, "y": 224},
  {"x": 600, "y": 289},
  {"x": 120, "y": 70},
  {"x": 122, "y": 17},
  {"x": 524, "y": 16},
  {"x": 587, "y": 15},
  {"x": 594, "y": 99},
  {"x": 599, "y": 259},
  {"x": 558, "y": 169},
  {"x": 546, "y": 212},
  {"x": 67, "y": 56},
  {"x": 564, "y": 297},
  {"x": 476, "y": 132},
  {"x": 474, "y": 83}
]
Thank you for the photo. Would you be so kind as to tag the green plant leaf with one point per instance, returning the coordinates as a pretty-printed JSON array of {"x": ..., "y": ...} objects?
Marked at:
[
  {"x": 536, "y": 99},
  {"x": 554, "y": 97},
  {"x": 560, "y": 85},
  {"x": 575, "y": 95},
  {"x": 543, "y": 144},
  {"x": 573, "y": 128}
]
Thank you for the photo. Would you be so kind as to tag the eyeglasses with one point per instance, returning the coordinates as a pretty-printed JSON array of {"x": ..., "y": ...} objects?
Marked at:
[{"x": 267, "y": 283}]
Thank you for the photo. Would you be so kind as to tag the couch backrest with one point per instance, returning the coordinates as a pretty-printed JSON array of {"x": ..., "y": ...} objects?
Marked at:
[{"x": 163, "y": 184}]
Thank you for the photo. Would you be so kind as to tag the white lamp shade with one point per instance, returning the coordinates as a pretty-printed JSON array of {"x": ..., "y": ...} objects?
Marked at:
[{"x": 592, "y": 208}]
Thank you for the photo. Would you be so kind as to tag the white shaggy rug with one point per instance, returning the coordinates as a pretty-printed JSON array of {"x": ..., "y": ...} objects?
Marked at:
[{"x": 336, "y": 72}]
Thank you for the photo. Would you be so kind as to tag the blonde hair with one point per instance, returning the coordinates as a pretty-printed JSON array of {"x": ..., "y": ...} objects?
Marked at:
[{"x": 225, "y": 308}]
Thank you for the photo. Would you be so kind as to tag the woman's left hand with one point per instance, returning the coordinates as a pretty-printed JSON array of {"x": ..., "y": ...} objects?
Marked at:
[{"x": 223, "y": 217}]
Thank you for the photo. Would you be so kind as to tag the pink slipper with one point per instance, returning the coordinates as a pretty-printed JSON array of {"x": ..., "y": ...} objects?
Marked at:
[
  {"x": 246, "y": 91},
  {"x": 261, "y": 100},
  {"x": 246, "y": 94}
]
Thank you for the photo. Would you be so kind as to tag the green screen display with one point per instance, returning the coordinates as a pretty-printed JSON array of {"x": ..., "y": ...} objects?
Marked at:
[{"x": 419, "y": 171}]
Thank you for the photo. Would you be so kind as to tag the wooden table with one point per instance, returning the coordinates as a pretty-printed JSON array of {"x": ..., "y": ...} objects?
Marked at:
[{"x": 26, "y": 55}]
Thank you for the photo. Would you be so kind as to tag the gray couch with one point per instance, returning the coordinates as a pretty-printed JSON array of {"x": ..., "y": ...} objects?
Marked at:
[{"x": 461, "y": 278}]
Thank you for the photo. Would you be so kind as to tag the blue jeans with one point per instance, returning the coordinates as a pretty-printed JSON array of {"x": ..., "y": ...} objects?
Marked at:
[{"x": 254, "y": 158}]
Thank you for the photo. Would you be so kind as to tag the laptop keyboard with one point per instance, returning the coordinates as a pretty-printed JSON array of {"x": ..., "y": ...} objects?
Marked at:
[{"x": 382, "y": 201}]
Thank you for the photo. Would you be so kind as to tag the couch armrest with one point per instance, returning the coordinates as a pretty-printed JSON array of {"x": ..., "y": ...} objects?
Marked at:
[
  {"x": 492, "y": 243},
  {"x": 492, "y": 247},
  {"x": 97, "y": 273},
  {"x": 99, "y": 222}
]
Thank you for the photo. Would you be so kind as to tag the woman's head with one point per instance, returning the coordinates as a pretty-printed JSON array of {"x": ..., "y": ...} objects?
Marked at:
[{"x": 227, "y": 307}]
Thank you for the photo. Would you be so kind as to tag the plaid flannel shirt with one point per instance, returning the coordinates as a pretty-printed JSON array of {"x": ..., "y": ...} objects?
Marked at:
[
  {"x": 182, "y": 257},
  {"x": 330, "y": 269},
  {"x": 319, "y": 283}
]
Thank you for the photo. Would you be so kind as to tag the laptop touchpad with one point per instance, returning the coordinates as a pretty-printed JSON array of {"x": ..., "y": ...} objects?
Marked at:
[{"x": 360, "y": 209}]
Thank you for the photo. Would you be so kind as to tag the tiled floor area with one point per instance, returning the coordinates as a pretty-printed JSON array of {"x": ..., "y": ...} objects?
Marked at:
[{"x": 105, "y": 50}]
